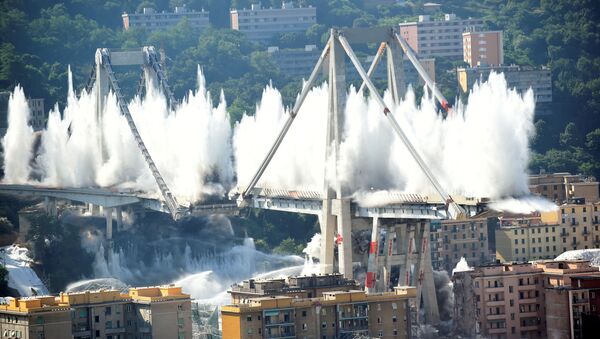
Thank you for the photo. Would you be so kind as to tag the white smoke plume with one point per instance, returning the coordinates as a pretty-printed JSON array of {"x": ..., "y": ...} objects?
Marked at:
[
  {"x": 18, "y": 141},
  {"x": 480, "y": 150},
  {"x": 191, "y": 145}
]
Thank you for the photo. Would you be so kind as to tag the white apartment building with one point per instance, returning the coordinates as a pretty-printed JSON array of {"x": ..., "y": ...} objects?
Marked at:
[
  {"x": 151, "y": 20},
  {"x": 261, "y": 24}
]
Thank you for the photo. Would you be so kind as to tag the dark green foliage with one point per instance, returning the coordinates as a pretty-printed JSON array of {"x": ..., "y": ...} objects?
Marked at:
[{"x": 57, "y": 247}]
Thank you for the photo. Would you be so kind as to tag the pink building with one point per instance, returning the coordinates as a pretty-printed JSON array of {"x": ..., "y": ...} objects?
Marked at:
[{"x": 483, "y": 48}]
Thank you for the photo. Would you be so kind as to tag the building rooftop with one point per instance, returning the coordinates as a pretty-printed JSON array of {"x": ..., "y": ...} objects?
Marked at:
[
  {"x": 328, "y": 298},
  {"x": 66, "y": 300}
]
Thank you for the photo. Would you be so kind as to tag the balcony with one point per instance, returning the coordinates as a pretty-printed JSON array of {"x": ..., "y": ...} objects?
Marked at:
[
  {"x": 579, "y": 301},
  {"x": 115, "y": 330},
  {"x": 528, "y": 300},
  {"x": 528, "y": 314},
  {"x": 499, "y": 302},
  {"x": 564, "y": 234},
  {"x": 585, "y": 233},
  {"x": 532, "y": 327},
  {"x": 497, "y": 330},
  {"x": 574, "y": 223},
  {"x": 527, "y": 287},
  {"x": 499, "y": 316}
]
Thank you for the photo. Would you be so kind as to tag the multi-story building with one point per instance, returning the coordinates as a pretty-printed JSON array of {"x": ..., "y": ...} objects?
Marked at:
[
  {"x": 572, "y": 226},
  {"x": 547, "y": 299},
  {"x": 295, "y": 62},
  {"x": 37, "y": 117},
  {"x": 506, "y": 299},
  {"x": 528, "y": 237},
  {"x": 152, "y": 20},
  {"x": 145, "y": 312},
  {"x": 564, "y": 187},
  {"x": 310, "y": 286},
  {"x": 519, "y": 77},
  {"x": 262, "y": 24},
  {"x": 483, "y": 48},
  {"x": 430, "y": 38},
  {"x": 453, "y": 239},
  {"x": 338, "y": 314},
  {"x": 39, "y": 317},
  {"x": 574, "y": 311}
]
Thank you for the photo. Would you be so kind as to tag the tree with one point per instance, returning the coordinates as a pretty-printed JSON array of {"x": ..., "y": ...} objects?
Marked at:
[{"x": 570, "y": 137}]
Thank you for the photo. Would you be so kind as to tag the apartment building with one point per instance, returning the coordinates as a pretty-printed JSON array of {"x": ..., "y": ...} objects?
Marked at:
[
  {"x": 563, "y": 187},
  {"x": 310, "y": 286},
  {"x": 443, "y": 38},
  {"x": 152, "y": 20},
  {"x": 506, "y": 299},
  {"x": 37, "y": 117},
  {"x": 483, "y": 48},
  {"x": 295, "y": 62},
  {"x": 527, "y": 300},
  {"x": 338, "y": 314},
  {"x": 262, "y": 24},
  {"x": 144, "y": 312},
  {"x": 39, "y": 317},
  {"x": 452, "y": 239},
  {"x": 521, "y": 78},
  {"x": 528, "y": 237},
  {"x": 574, "y": 311}
]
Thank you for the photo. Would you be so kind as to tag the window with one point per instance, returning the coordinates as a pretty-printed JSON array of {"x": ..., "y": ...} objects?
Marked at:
[
  {"x": 83, "y": 313},
  {"x": 108, "y": 310},
  {"x": 304, "y": 326},
  {"x": 108, "y": 324},
  {"x": 97, "y": 319},
  {"x": 516, "y": 241},
  {"x": 304, "y": 313},
  {"x": 249, "y": 318},
  {"x": 394, "y": 319},
  {"x": 324, "y": 324},
  {"x": 97, "y": 333}
]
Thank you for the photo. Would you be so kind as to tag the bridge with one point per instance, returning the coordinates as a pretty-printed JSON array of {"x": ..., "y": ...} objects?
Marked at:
[{"x": 398, "y": 226}]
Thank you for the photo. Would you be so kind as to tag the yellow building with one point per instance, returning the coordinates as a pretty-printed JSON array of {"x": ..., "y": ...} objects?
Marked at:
[
  {"x": 39, "y": 317},
  {"x": 563, "y": 187},
  {"x": 334, "y": 315},
  {"x": 144, "y": 312},
  {"x": 572, "y": 226}
]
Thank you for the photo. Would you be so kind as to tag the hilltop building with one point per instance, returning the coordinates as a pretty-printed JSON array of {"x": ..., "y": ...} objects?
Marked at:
[
  {"x": 152, "y": 20},
  {"x": 483, "y": 48},
  {"x": 339, "y": 314},
  {"x": 519, "y": 77},
  {"x": 547, "y": 299},
  {"x": 262, "y": 24},
  {"x": 144, "y": 312},
  {"x": 443, "y": 38}
]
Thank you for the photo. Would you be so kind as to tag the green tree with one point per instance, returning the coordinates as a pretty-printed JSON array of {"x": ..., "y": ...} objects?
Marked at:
[{"x": 570, "y": 137}]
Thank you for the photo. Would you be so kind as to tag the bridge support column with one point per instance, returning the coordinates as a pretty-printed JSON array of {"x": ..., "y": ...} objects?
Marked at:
[
  {"x": 119, "y": 212},
  {"x": 344, "y": 227},
  {"x": 395, "y": 71},
  {"x": 109, "y": 227},
  {"x": 94, "y": 209},
  {"x": 327, "y": 222},
  {"x": 371, "y": 278},
  {"x": 50, "y": 207}
]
